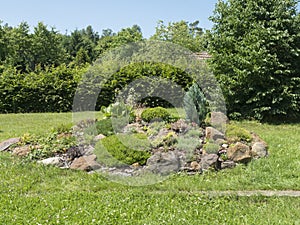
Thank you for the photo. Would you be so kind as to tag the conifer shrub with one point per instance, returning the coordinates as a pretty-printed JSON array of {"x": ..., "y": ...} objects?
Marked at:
[{"x": 195, "y": 104}]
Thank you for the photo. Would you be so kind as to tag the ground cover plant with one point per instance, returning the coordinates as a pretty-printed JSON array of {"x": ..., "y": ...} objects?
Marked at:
[{"x": 50, "y": 195}]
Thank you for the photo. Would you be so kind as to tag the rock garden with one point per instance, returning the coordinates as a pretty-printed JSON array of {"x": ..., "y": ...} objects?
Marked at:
[{"x": 129, "y": 142}]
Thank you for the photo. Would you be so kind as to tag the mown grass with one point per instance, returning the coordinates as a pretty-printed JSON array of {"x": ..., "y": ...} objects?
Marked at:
[
  {"x": 35, "y": 194},
  {"x": 15, "y": 125}
]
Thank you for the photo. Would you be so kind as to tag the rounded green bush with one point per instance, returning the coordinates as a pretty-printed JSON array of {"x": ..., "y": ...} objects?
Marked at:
[
  {"x": 156, "y": 114},
  {"x": 123, "y": 149}
]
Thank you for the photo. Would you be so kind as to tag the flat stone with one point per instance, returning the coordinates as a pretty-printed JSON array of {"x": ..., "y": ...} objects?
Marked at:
[
  {"x": 7, "y": 143},
  {"x": 228, "y": 164}
]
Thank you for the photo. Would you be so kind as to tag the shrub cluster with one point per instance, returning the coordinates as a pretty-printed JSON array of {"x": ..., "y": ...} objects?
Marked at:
[
  {"x": 155, "y": 114},
  {"x": 50, "y": 90},
  {"x": 122, "y": 149}
]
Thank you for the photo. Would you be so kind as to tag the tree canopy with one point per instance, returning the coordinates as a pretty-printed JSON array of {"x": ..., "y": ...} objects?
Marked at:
[
  {"x": 255, "y": 46},
  {"x": 188, "y": 35}
]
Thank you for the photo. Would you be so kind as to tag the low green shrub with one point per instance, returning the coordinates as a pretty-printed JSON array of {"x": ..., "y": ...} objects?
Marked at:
[
  {"x": 47, "y": 146},
  {"x": 235, "y": 133},
  {"x": 122, "y": 149},
  {"x": 105, "y": 127},
  {"x": 119, "y": 109},
  {"x": 211, "y": 148},
  {"x": 187, "y": 145},
  {"x": 154, "y": 128},
  {"x": 156, "y": 114},
  {"x": 62, "y": 128}
]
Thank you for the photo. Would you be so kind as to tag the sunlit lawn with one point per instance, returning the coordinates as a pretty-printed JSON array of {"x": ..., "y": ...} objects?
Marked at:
[{"x": 35, "y": 194}]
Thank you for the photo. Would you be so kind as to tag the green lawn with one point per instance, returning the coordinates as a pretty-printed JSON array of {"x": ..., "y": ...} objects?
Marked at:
[
  {"x": 35, "y": 194},
  {"x": 15, "y": 125}
]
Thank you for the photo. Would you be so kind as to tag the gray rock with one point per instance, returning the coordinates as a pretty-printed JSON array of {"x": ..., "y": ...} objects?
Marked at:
[
  {"x": 86, "y": 163},
  {"x": 164, "y": 162},
  {"x": 259, "y": 150},
  {"x": 239, "y": 153},
  {"x": 208, "y": 160},
  {"x": 87, "y": 150},
  {"x": 219, "y": 120},
  {"x": 213, "y": 134},
  {"x": 6, "y": 144},
  {"x": 53, "y": 161}
]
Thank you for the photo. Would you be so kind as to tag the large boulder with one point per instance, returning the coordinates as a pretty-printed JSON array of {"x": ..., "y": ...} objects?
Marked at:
[
  {"x": 239, "y": 153},
  {"x": 259, "y": 150},
  {"x": 219, "y": 120},
  {"x": 164, "y": 162}
]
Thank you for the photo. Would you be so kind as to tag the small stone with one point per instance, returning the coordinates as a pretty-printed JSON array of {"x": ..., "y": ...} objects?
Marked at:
[
  {"x": 195, "y": 166},
  {"x": 6, "y": 144},
  {"x": 99, "y": 137},
  {"x": 228, "y": 164},
  {"x": 135, "y": 165},
  {"x": 225, "y": 145},
  {"x": 54, "y": 161}
]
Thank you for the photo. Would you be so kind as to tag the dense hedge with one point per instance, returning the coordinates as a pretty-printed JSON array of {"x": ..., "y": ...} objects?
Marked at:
[
  {"x": 53, "y": 89},
  {"x": 50, "y": 90}
]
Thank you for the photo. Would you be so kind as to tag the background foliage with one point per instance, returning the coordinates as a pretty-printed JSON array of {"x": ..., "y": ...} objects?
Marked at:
[
  {"x": 255, "y": 56},
  {"x": 254, "y": 47}
]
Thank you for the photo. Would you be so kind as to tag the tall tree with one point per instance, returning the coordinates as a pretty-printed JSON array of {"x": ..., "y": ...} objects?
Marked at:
[
  {"x": 47, "y": 49},
  {"x": 110, "y": 40},
  {"x": 84, "y": 40},
  {"x": 255, "y": 55},
  {"x": 188, "y": 35}
]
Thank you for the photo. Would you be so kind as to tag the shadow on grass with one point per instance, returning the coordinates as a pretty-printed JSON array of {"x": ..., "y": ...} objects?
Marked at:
[{"x": 282, "y": 120}]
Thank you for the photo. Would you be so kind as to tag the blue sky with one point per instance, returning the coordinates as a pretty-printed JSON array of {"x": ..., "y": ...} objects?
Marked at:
[{"x": 101, "y": 14}]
